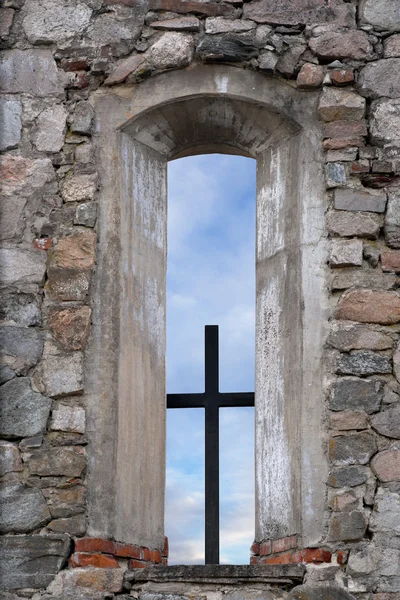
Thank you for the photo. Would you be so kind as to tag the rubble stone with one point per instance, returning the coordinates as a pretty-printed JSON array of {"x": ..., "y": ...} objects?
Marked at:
[
  {"x": 225, "y": 48},
  {"x": 102, "y": 580},
  {"x": 349, "y": 224},
  {"x": 50, "y": 130},
  {"x": 347, "y": 526},
  {"x": 31, "y": 561},
  {"x": 391, "y": 46},
  {"x": 386, "y": 465},
  {"x": 171, "y": 50},
  {"x": 381, "y": 78},
  {"x": 382, "y": 14},
  {"x": 221, "y": 25},
  {"x": 31, "y": 72},
  {"x": 267, "y": 61},
  {"x": 367, "y": 278},
  {"x": 82, "y": 119},
  {"x": 288, "y": 61},
  {"x": 86, "y": 214},
  {"x": 10, "y": 123},
  {"x": 124, "y": 68},
  {"x": 335, "y": 175},
  {"x": 22, "y": 509},
  {"x": 73, "y": 525},
  {"x": 68, "y": 418},
  {"x": 66, "y": 461},
  {"x": 385, "y": 517},
  {"x": 20, "y": 309},
  {"x": 67, "y": 502},
  {"x": 362, "y": 363},
  {"x": 70, "y": 326},
  {"x": 6, "y": 21},
  {"x": 310, "y": 76},
  {"x": 369, "y": 306},
  {"x": 351, "y": 393},
  {"x": 350, "y": 45},
  {"x": 61, "y": 375},
  {"x": 352, "y": 449},
  {"x": 391, "y": 261},
  {"x": 346, "y": 420},
  {"x": 348, "y": 476},
  {"x": 347, "y": 337},
  {"x": 10, "y": 460},
  {"x": 388, "y": 422},
  {"x": 79, "y": 187},
  {"x": 20, "y": 347},
  {"x": 355, "y": 200},
  {"x": 20, "y": 175},
  {"x": 75, "y": 251},
  {"x": 179, "y": 24},
  {"x": 67, "y": 284},
  {"x": 345, "y": 253},
  {"x": 392, "y": 220},
  {"x": 341, "y": 105},
  {"x": 54, "y": 22},
  {"x": 298, "y": 12},
  {"x": 106, "y": 29},
  {"x": 23, "y": 412},
  {"x": 385, "y": 121}
]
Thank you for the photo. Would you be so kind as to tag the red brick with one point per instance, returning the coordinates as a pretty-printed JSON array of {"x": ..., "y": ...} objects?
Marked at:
[
  {"x": 254, "y": 560},
  {"x": 279, "y": 559},
  {"x": 391, "y": 261},
  {"x": 265, "y": 548},
  {"x": 102, "y": 561},
  {"x": 155, "y": 557},
  {"x": 94, "y": 545},
  {"x": 342, "y": 76},
  {"x": 341, "y": 557},
  {"x": 146, "y": 553},
  {"x": 137, "y": 564},
  {"x": 312, "y": 555},
  {"x": 165, "y": 550},
  {"x": 255, "y": 548},
  {"x": 283, "y": 544},
  {"x": 127, "y": 550}
]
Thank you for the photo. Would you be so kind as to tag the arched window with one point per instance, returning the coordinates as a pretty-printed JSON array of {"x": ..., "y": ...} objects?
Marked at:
[{"x": 202, "y": 109}]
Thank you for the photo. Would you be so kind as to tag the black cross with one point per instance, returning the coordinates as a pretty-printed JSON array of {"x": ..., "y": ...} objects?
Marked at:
[{"x": 212, "y": 400}]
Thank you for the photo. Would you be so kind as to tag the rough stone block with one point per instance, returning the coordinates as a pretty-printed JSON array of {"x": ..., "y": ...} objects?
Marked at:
[
  {"x": 23, "y": 176},
  {"x": 267, "y": 61},
  {"x": 101, "y": 580},
  {"x": 310, "y": 76},
  {"x": 6, "y": 21},
  {"x": 23, "y": 509},
  {"x": 346, "y": 253},
  {"x": 346, "y": 421},
  {"x": 171, "y": 50},
  {"x": 31, "y": 561},
  {"x": 215, "y": 25},
  {"x": 77, "y": 188},
  {"x": 349, "y": 224},
  {"x": 128, "y": 66},
  {"x": 388, "y": 422},
  {"x": 346, "y": 337},
  {"x": 357, "y": 200},
  {"x": 280, "y": 12},
  {"x": 362, "y": 363},
  {"x": 82, "y": 118},
  {"x": 178, "y": 24},
  {"x": 342, "y": 76},
  {"x": 352, "y": 449},
  {"x": 392, "y": 220},
  {"x": 68, "y": 418},
  {"x": 385, "y": 517},
  {"x": 67, "y": 284},
  {"x": 334, "y": 45},
  {"x": 385, "y": 121},
  {"x": 54, "y": 22},
  {"x": 380, "y": 78},
  {"x": 348, "y": 476},
  {"x": 341, "y": 105},
  {"x": 86, "y": 214},
  {"x": 391, "y": 261},
  {"x": 30, "y": 72},
  {"x": 61, "y": 375},
  {"x": 10, "y": 123},
  {"x": 20, "y": 309},
  {"x": 369, "y": 306},
  {"x": 65, "y": 502},
  {"x": 386, "y": 465},
  {"x": 20, "y": 347},
  {"x": 10, "y": 461},
  {"x": 344, "y": 501},
  {"x": 382, "y": 14},
  {"x": 21, "y": 266},
  {"x": 106, "y": 29},
  {"x": 67, "y": 461},
  {"x": 347, "y": 526},
  {"x": 365, "y": 278},
  {"x": 335, "y": 175},
  {"x": 70, "y": 326},
  {"x": 23, "y": 412},
  {"x": 225, "y": 48},
  {"x": 50, "y": 129},
  {"x": 102, "y": 561},
  {"x": 288, "y": 61},
  {"x": 73, "y": 525},
  {"x": 351, "y": 393},
  {"x": 391, "y": 46}
]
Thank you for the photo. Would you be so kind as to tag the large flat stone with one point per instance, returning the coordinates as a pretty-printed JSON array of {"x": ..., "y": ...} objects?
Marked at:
[
  {"x": 382, "y": 14},
  {"x": 10, "y": 123},
  {"x": 381, "y": 79},
  {"x": 23, "y": 509},
  {"x": 281, "y": 12},
  {"x": 31, "y": 561},
  {"x": 21, "y": 266},
  {"x": 31, "y": 72},
  {"x": 23, "y": 412},
  {"x": 20, "y": 347},
  {"x": 53, "y": 21}
]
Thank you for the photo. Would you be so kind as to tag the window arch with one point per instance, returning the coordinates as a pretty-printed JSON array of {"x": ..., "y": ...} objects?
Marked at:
[{"x": 209, "y": 108}]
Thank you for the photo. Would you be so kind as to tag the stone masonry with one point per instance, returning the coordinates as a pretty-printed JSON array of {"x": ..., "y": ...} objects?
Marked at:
[{"x": 55, "y": 55}]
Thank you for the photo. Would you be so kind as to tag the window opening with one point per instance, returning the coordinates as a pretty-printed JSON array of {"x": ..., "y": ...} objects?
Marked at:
[{"x": 210, "y": 279}]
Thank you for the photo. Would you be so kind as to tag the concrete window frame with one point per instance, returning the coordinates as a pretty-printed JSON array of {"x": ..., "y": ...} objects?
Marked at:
[{"x": 208, "y": 108}]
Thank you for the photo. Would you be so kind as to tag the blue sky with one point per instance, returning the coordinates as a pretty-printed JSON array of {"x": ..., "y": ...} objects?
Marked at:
[{"x": 211, "y": 248}]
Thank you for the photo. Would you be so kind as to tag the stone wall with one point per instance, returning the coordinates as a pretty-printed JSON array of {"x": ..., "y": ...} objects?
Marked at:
[{"x": 56, "y": 54}]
